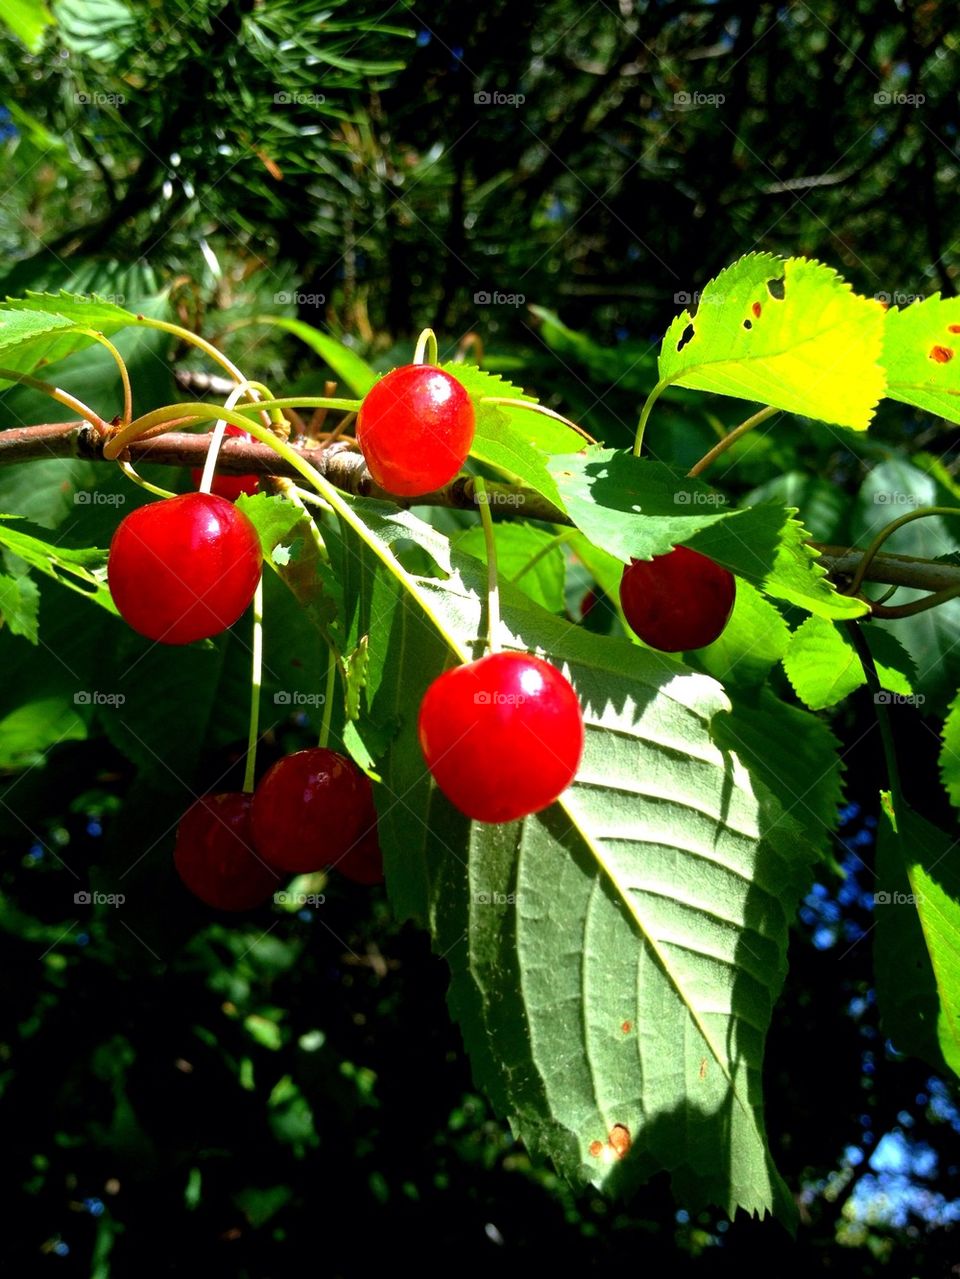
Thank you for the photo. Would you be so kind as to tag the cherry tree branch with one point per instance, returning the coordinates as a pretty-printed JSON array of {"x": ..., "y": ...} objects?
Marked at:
[{"x": 344, "y": 467}]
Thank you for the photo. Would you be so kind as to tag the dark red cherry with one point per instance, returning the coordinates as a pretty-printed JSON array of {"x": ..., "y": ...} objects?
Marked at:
[
  {"x": 678, "y": 601},
  {"x": 363, "y": 861},
  {"x": 310, "y": 809},
  {"x": 231, "y": 486},
  {"x": 215, "y": 858},
  {"x": 185, "y": 568},
  {"x": 415, "y": 428},
  {"x": 502, "y": 736}
]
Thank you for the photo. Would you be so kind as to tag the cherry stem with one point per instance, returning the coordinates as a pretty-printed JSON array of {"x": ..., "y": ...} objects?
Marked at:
[
  {"x": 879, "y": 609},
  {"x": 131, "y": 474},
  {"x": 537, "y": 408},
  {"x": 493, "y": 589},
  {"x": 56, "y": 393},
  {"x": 256, "y": 680},
  {"x": 216, "y": 439},
  {"x": 426, "y": 347},
  {"x": 544, "y": 550},
  {"x": 645, "y": 414},
  {"x": 328, "y": 699},
  {"x": 731, "y": 438},
  {"x": 121, "y": 366},
  {"x": 868, "y": 555},
  {"x": 185, "y": 335}
]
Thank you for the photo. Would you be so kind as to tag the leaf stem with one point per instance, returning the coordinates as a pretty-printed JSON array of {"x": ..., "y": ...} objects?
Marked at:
[
  {"x": 256, "y": 680},
  {"x": 533, "y": 407},
  {"x": 881, "y": 709},
  {"x": 122, "y": 368},
  {"x": 493, "y": 589},
  {"x": 651, "y": 400},
  {"x": 731, "y": 438}
]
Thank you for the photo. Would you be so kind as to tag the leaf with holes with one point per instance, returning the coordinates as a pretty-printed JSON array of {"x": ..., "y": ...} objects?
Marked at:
[
  {"x": 790, "y": 333},
  {"x": 921, "y": 351},
  {"x": 615, "y": 958}
]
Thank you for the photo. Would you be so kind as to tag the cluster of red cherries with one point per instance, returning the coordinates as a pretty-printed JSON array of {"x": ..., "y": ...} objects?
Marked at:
[{"x": 502, "y": 735}]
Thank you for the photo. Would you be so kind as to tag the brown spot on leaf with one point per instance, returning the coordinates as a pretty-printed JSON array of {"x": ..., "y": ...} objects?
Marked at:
[
  {"x": 953, "y": 328},
  {"x": 703, "y": 1068},
  {"x": 619, "y": 1139},
  {"x": 941, "y": 354},
  {"x": 627, "y": 1027},
  {"x": 775, "y": 288},
  {"x": 756, "y": 309},
  {"x": 595, "y": 1148},
  {"x": 747, "y": 324},
  {"x": 685, "y": 337}
]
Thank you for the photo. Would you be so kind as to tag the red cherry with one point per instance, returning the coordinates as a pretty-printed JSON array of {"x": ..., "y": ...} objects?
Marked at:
[
  {"x": 231, "y": 486},
  {"x": 415, "y": 428},
  {"x": 214, "y": 854},
  {"x": 502, "y": 736},
  {"x": 363, "y": 861},
  {"x": 677, "y": 601},
  {"x": 310, "y": 809},
  {"x": 185, "y": 568}
]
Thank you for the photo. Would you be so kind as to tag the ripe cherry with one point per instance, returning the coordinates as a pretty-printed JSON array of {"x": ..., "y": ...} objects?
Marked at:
[
  {"x": 502, "y": 736},
  {"x": 677, "y": 601},
  {"x": 363, "y": 861},
  {"x": 215, "y": 858},
  {"x": 185, "y": 568},
  {"x": 310, "y": 809},
  {"x": 231, "y": 486},
  {"x": 415, "y": 428}
]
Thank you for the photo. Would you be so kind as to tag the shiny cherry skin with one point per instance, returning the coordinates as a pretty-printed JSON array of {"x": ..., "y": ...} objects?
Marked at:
[
  {"x": 185, "y": 568},
  {"x": 309, "y": 810},
  {"x": 215, "y": 857},
  {"x": 415, "y": 428},
  {"x": 678, "y": 601},
  {"x": 502, "y": 736},
  {"x": 231, "y": 486}
]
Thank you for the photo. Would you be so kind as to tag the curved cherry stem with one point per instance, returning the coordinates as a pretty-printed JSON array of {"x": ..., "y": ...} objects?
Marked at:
[
  {"x": 256, "y": 680},
  {"x": 185, "y": 335},
  {"x": 131, "y": 474},
  {"x": 426, "y": 349},
  {"x": 871, "y": 551},
  {"x": 493, "y": 589},
  {"x": 62, "y": 397},
  {"x": 651, "y": 400},
  {"x": 731, "y": 438},
  {"x": 531, "y": 407},
  {"x": 915, "y": 606},
  {"x": 216, "y": 438},
  {"x": 121, "y": 367}
]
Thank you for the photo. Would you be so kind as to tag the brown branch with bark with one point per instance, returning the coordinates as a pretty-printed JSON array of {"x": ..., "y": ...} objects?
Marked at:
[{"x": 345, "y": 468}]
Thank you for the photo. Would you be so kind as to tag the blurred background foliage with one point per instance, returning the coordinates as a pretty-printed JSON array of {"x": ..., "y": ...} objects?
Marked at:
[{"x": 547, "y": 185}]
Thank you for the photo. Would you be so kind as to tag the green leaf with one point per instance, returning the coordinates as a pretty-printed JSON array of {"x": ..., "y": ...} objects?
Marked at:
[
  {"x": 27, "y": 19},
  {"x": 349, "y": 368},
  {"x": 823, "y": 504},
  {"x": 31, "y": 338},
  {"x": 636, "y": 508},
  {"x": 88, "y": 310},
  {"x": 97, "y": 29},
  {"x": 19, "y": 605},
  {"x": 822, "y": 664},
  {"x": 629, "y": 366},
  {"x": 790, "y": 333},
  {"x": 517, "y": 544},
  {"x": 920, "y": 349},
  {"x": 28, "y": 732},
  {"x": 917, "y": 938},
  {"x": 83, "y": 571},
  {"x": 674, "y": 872},
  {"x": 950, "y": 753},
  {"x": 794, "y": 753}
]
